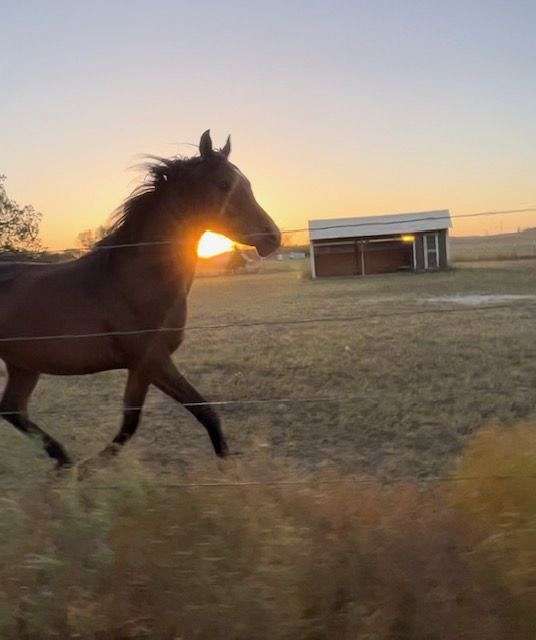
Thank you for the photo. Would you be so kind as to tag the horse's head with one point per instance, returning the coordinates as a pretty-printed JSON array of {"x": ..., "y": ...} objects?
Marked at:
[{"x": 225, "y": 201}]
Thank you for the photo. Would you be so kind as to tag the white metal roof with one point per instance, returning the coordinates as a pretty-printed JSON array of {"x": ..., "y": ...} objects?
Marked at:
[{"x": 391, "y": 224}]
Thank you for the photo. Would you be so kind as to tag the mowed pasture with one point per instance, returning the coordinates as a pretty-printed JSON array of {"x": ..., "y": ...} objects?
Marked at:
[{"x": 394, "y": 393}]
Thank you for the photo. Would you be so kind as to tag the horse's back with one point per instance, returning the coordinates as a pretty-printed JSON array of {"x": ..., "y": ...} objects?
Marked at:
[
  {"x": 19, "y": 287},
  {"x": 78, "y": 298},
  {"x": 9, "y": 271},
  {"x": 39, "y": 300}
]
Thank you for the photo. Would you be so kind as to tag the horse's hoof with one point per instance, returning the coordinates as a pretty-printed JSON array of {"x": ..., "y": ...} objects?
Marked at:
[
  {"x": 62, "y": 470},
  {"x": 228, "y": 454},
  {"x": 83, "y": 471},
  {"x": 87, "y": 468},
  {"x": 229, "y": 458},
  {"x": 110, "y": 452}
]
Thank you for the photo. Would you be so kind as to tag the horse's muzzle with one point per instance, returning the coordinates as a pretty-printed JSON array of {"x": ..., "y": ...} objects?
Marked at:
[
  {"x": 269, "y": 241},
  {"x": 266, "y": 247}
]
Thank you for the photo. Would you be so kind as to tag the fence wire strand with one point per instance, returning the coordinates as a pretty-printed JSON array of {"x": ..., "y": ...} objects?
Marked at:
[
  {"x": 308, "y": 482},
  {"x": 288, "y": 322},
  {"x": 262, "y": 323}
]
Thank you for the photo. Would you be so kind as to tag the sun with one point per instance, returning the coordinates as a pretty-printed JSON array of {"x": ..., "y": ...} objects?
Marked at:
[{"x": 212, "y": 244}]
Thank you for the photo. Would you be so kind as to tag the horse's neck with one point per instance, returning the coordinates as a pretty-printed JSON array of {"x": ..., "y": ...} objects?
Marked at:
[{"x": 157, "y": 275}]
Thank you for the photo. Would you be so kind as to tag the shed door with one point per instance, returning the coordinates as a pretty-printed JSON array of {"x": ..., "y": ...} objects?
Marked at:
[{"x": 431, "y": 251}]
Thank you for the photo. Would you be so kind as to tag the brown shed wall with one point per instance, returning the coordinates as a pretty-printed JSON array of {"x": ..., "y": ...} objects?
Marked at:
[{"x": 343, "y": 257}]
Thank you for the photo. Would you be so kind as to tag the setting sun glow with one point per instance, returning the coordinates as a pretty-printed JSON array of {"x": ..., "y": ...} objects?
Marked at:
[{"x": 212, "y": 244}]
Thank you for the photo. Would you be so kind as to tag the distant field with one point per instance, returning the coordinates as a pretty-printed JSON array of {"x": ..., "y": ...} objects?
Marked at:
[
  {"x": 424, "y": 382},
  {"x": 509, "y": 246}
]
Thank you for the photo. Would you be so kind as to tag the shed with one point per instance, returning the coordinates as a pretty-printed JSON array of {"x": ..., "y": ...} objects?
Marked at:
[{"x": 380, "y": 244}]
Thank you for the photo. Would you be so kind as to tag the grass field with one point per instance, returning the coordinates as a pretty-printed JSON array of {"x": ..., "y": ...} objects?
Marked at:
[
  {"x": 424, "y": 382},
  {"x": 131, "y": 553},
  {"x": 507, "y": 246}
]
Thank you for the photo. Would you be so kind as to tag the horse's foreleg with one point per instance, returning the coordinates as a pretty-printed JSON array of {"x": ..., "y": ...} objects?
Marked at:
[
  {"x": 135, "y": 392},
  {"x": 168, "y": 379},
  {"x": 13, "y": 408}
]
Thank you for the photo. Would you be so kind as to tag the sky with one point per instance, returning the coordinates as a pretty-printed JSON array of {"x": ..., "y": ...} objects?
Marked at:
[{"x": 335, "y": 108}]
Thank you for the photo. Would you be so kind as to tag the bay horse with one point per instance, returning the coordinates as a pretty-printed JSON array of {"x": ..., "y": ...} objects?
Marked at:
[{"x": 123, "y": 304}]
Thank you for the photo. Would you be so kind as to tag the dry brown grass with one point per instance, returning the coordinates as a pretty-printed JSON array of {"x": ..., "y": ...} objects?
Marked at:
[
  {"x": 513, "y": 246},
  {"x": 124, "y": 556},
  {"x": 120, "y": 556}
]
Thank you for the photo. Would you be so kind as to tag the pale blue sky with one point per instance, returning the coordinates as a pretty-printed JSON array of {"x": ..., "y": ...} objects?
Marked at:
[{"x": 335, "y": 108}]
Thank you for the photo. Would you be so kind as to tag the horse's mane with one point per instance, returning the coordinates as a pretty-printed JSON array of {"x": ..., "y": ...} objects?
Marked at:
[{"x": 130, "y": 217}]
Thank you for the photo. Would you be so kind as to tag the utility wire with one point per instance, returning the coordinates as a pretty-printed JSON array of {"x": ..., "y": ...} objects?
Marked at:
[{"x": 350, "y": 225}]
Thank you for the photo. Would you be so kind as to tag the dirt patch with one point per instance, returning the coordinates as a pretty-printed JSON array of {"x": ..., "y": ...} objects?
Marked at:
[{"x": 478, "y": 299}]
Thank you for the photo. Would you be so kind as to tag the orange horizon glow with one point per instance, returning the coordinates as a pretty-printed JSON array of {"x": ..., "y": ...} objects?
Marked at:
[
  {"x": 213, "y": 244},
  {"x": 377, "y": 118}
]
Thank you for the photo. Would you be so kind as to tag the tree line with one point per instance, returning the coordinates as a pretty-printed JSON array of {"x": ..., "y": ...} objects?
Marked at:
[{"x": 20, "y": 227}]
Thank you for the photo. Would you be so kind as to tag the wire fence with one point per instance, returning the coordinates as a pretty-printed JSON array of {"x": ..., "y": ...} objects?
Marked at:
[
  {"x": 235, "y": 402},
  {"x": 266, "y": 323},
  {"x": 312, "y": 482},
  {"x": 526, "y": 306}
]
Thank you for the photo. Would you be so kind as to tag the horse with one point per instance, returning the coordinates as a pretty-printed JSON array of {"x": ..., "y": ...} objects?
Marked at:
[{"x": 123, "y": 305}]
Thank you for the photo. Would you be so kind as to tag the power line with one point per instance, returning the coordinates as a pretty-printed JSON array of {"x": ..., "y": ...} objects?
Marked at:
[
  {"x": 433, "y": 218},
  {"x": 357, "y": 225},
  {"x": 349, "y": 225}
]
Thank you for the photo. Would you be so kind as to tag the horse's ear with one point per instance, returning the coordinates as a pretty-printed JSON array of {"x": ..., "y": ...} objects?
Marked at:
[
  {"x": 205, "y": 144},
  {"x": 227, "y": 148}
]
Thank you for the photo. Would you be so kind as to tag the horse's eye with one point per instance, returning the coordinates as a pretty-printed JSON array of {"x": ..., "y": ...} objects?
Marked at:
[{"x": 225, "y": 186}]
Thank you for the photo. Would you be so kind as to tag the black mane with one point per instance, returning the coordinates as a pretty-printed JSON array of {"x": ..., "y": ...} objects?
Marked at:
[{"x": 130, "y": 216}]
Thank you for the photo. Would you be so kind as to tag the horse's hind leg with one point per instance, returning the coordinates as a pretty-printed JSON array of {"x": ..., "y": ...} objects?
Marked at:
[
  {"x": 165, "y": 376},
  {"x": 135, "y": 392},
  {"x": 13, "y": 408}
]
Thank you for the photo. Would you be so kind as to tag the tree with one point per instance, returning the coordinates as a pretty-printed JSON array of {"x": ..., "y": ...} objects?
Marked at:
[
  {"x": 294, "y": 239},
  {"x": 19, "y": 225},
  {"x": 89, "y": 237},
  {"x": 236, "y": 261}
]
